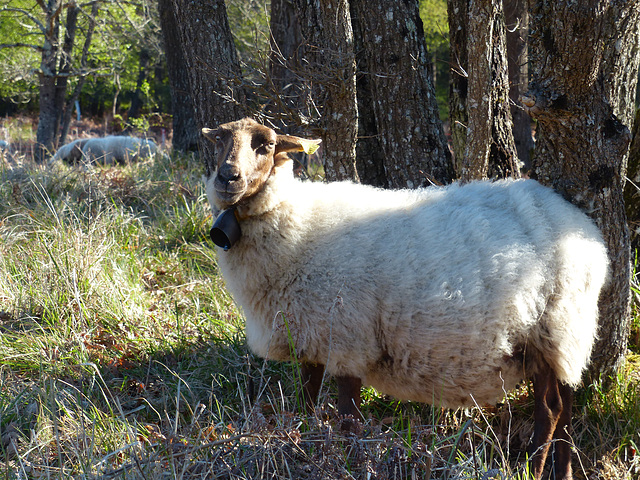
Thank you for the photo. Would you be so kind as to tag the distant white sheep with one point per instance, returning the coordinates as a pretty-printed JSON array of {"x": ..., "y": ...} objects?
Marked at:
[
  {"x": 106, "y": 150},
  {"x": 448, "y": 296}
]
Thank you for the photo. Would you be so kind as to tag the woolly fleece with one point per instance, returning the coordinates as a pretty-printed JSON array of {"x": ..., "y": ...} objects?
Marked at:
[{"x": 448, "y": 296}]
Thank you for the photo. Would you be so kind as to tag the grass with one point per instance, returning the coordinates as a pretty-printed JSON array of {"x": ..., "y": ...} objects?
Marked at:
[{"x": 122, "y": 356}]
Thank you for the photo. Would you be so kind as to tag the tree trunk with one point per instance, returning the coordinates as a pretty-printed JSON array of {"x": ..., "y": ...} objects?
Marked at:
[
  {"x": 45, "y": 135},
  {"x": 490, "y": 150},
  {"x": 64, "y": 69},
  {"x": 579, "y": 56},
  {"x": 517, "y": 22},
  {"x": 211, "y": 59},
  {"x": 632, "y": 188},
  {"x": 457, "y": 11},
  {"x": 369, "y": 152},
  {"x": 291, "y": 102},
  {"x": 185, "y": 131},
  {"x": 404, "y": 102},
  {"x": 326, "y": 28}
]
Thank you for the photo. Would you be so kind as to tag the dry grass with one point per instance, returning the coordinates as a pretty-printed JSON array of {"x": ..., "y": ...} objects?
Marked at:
[{"x": 122, "y": 356}]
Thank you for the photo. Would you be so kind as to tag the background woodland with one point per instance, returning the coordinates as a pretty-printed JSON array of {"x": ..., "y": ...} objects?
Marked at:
[{"x": 121, "y": 354}]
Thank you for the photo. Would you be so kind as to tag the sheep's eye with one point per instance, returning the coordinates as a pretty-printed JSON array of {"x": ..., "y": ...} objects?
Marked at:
[{"x": 265, "y": 146}]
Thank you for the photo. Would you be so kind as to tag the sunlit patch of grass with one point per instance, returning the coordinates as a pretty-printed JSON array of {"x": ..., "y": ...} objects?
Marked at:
[{"x": 607, "y": 420}]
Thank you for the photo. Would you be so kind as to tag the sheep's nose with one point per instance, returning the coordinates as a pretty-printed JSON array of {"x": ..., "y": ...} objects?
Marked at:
[
  {"x": 228, "y": 175},
  {"x": 230, "y": 178}
]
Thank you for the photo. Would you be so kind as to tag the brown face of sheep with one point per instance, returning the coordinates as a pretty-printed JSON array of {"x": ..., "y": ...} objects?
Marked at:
[{"x": 246, "y": 154}]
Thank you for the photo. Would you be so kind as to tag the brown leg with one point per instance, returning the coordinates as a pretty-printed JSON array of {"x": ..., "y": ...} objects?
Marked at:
[
  {"x": 349, "y": 396},
  {"x": 311, "y": 377},
  {"x": 349, "y": 401},
  {"x": 550, "y": 413},
  {"x": 562, "y": 444}
]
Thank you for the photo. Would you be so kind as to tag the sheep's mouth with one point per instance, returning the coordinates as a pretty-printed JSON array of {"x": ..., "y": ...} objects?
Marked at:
[{"x": 229, "y": 190}]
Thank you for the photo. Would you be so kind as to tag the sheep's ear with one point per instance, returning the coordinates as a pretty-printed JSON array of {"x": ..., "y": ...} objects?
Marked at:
[
  {"x": 288, "y": 143},
  {"x": 210, "y": 134}
]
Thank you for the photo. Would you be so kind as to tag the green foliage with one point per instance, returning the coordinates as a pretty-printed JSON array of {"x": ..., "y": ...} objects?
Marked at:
[
  {"x": 18, "y": 63},
  {"x": 249, "y": 23},
  {"x": 436, "y": 33},
  {"x": 435, "y": 24},
  {"x": 123, "y": 30}
]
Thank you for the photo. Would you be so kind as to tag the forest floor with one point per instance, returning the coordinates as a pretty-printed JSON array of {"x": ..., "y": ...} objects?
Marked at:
[{"x": 122, "y": 355}]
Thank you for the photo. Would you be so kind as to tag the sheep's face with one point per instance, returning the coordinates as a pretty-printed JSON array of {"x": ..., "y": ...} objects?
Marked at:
[{"x": 246, "y": 155}]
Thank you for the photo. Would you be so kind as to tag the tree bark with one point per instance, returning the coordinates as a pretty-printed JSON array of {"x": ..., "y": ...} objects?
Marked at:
[
  {"x": 404, "y": 103},
  {"x": 64, "y": 69},
  {"x": 369, "y": 151},
  {"x": 185, "y": 131},
  {"x": 632, "y": 188},
  {"x": 579, "y": 56},
  {"x": 215, "y": 78},
  {"x": 326, "y": 28},
  {"x": 291, "y": 102},
  {"x": 517, "y": 23},
  {"x": 490, "y": 150}
]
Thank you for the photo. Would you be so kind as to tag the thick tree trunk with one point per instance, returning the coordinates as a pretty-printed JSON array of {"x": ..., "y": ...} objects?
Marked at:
[
  {"x": 369, "y": 151},
  {"x": 403, "y": 95},
  {"x": 516, "y": 14},
  {"x": 632, "y": 188},
  {"x": 291, "y": 102},
  {"x": 490, "y": 150},
  {"x": 215, "y": 78},
  {"x": 185, "y": 131},
  {"x": 579, "y": 56},
  {"x": 326, "y": 28}
]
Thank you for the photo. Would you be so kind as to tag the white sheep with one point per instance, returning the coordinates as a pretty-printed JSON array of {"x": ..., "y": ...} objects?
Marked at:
[
  {"x": 118, "y": 149},
  {"x": 106, "y": 150},
  {"x": 448, "y": 296}
]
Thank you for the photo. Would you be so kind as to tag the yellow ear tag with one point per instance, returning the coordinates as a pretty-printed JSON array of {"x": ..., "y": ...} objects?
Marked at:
[{"x": 310, "y": 146}]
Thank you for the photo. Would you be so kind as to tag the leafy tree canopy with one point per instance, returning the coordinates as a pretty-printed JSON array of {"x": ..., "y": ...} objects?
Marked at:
[{"x": 123, "y": 30}]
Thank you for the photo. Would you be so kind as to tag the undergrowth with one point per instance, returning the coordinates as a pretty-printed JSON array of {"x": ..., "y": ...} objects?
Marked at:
[{"x": 122, "y": 356}]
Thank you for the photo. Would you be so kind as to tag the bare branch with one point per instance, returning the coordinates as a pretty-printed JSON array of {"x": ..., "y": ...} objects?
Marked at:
[
  {"x": 27, "y": 14},
  {"x": 20, "y": 45}
]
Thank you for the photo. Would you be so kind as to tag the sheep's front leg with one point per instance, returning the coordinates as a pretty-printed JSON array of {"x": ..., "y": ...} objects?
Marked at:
[
  {"x": 550, "y": 412},
  {"x": 311, "y": 377}
]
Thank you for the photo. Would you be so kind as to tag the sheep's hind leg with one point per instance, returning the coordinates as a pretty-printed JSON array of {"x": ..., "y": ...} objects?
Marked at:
[
  {"x": 562, "y": 437},
  {"x": 552, "y": 413},
  {"x": 311, "y": 379},
  {"x": 349, "y": 402}
]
